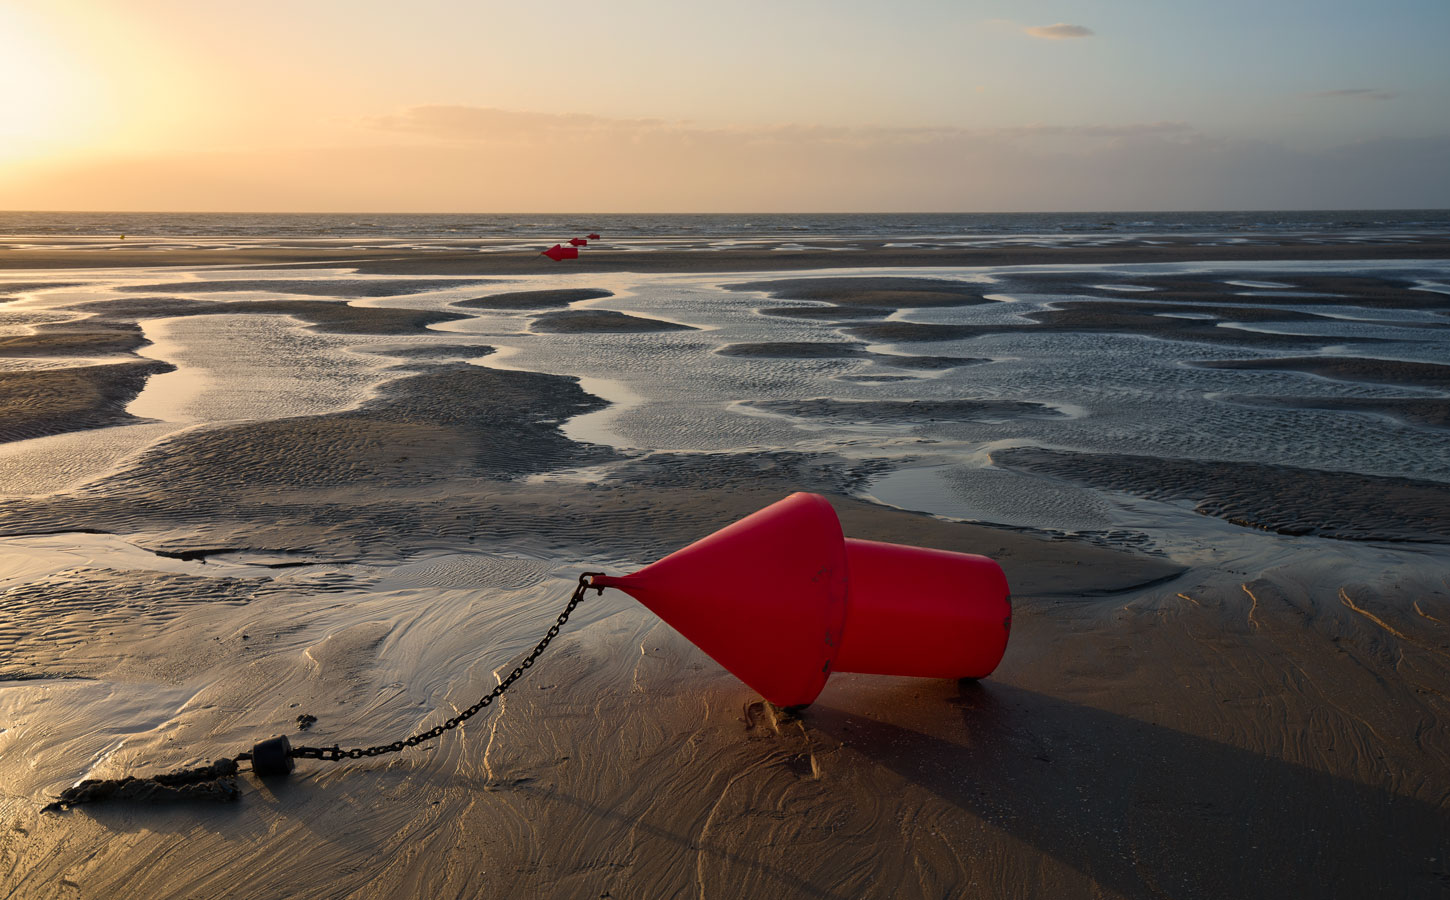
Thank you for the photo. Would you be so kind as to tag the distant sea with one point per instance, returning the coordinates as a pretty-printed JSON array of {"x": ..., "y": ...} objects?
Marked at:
[{"x": 643, "y": 226}]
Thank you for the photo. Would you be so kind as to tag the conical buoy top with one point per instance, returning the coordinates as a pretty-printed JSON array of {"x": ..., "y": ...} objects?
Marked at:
[{"x": 765, "y": 597}]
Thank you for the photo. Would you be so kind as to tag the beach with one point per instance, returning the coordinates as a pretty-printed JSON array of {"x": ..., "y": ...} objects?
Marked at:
[{"x": 248, "y": 481}]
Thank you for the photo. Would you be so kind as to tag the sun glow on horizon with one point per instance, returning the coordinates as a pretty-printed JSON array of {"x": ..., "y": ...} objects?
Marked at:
[
  {"x": 80, "y": 82},
  {"x": 44, "y": 91},
  {"x": 362, "y": 104}
]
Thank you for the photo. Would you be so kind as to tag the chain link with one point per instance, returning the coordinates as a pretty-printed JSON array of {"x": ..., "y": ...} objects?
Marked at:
[{"x": 335, "y": 752}]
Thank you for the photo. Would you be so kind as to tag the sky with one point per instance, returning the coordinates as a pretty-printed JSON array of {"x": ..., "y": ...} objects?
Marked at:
[{"x": 780, "y": 106}]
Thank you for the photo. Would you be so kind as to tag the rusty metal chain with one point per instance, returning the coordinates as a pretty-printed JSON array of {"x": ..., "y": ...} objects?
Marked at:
[{"x": 335, "y": 752}]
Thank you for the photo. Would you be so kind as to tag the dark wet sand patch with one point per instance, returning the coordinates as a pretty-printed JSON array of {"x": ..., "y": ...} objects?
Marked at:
[
  {"x": 601, "y": 321},
  {"x": 20, "y": 287},
  {"x": 883, "y": 292},
  {"x": 1300, "y": 289},
  {"x": 842, "y": 350},
  {"x": 438, "y": 352},
  {"x": 27, "y": 317},
  {"x": 1121, "y": 317},
  {"x": 1347, "y": 368},
  {"x": 334, "y": 318},
  {"x": 1108, "y": 310},
  {"x": 828, "y": 313},
  {"x": 534, "y": 299},
  {"x": 929, "y": 363},
  {"x": 1431, "y": 411},
  {"x": 1071, "y": 284},
  {"x": 357, "y": 288},
  {"x": 1288, "y": 500},
  {"x": 906, "y": 412},
  {"x": 55, "y": 401},
  {"x": 796, "y": 350},
  {"x": 132, "y": 309},
  {"x": 1166, "y": 321},
  {"x": 848, "y": 299},
  {"x": 1363, "y": 290},
  {"x": 410, "y": 467},
  {"x": 343, "y": 319},
  {"x": 1118, "y": 313},
  {"x": 76, "y": 338},
  {"x": 451, "y": 420}
]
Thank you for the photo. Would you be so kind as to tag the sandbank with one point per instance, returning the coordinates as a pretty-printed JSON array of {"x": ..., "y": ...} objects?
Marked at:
[{"x": 1231, "y": 682}]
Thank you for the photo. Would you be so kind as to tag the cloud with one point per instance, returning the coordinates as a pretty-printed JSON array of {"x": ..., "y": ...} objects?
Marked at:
[
  {"x": 471, "y": 123},
  {"x": 1355, "y": 94},
  {"x": 1059, "y": 32},
  {"x": 472, "y": 159},
  {"x": 479, "y": 124},
  {"x": 1135, "y": 129}
]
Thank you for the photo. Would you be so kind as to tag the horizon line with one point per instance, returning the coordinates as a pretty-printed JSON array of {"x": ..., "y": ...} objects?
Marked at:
[{"x": 1018, "y": 212}]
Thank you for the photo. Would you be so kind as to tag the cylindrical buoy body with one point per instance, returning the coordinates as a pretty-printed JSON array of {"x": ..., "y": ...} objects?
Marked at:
[{"x": 921, "y": 612}]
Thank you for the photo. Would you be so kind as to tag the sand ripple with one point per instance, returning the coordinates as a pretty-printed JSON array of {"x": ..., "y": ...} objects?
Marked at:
[{"x": 1340, "y": 505}]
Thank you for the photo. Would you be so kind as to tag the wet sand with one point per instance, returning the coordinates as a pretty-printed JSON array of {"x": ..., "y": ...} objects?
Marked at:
[
  {"x": 1341, "y": 505},
  {"x": 336, "y": 318},
  {"x": 73, "y": 338},
  {"x": 35, "y": 404},
  {"x": 333, "y": 288},
  {"x": 1430, "y": 411},
  {"x": 1207, "y": 324},
  {"x": 796, "y": 350},
  {"x": 1417, "y": 410},
  {"x": 842, "y": 350},
  {"x": 872, "y": 293},
  {"x": 600, "y": 321},
  {"x": 533, "y": 299},
  {"x": 1379, "y": 371},
  {"x": 1239, "y": 689},
  {"x": 1369, "y": 293},
  {"x": 741, "y": 259},
  {"x": 905, "y": 412}
]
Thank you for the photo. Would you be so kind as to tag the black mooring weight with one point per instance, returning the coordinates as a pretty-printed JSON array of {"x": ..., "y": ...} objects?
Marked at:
[{"x": 272, "y": 756}]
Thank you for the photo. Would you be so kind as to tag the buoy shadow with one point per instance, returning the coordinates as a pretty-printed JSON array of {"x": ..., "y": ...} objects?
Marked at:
[{"x": 1144, "y": 810}]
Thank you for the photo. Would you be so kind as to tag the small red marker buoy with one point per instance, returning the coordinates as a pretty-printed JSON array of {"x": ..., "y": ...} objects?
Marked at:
[
  {"x": 819, "y": 602},
  {"x": 593, "y": 237},
  {"x": 557, "y": 253},
  {"x": 578, "y": 242}
]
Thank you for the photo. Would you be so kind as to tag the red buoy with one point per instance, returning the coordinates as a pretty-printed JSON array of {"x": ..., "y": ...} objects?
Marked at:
[
  {"x": 593, "y": 237},
  {"x": 557, "y": 253},
  {"x": 815, "y": 602},
  {"x": 579, "y": 242}
]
